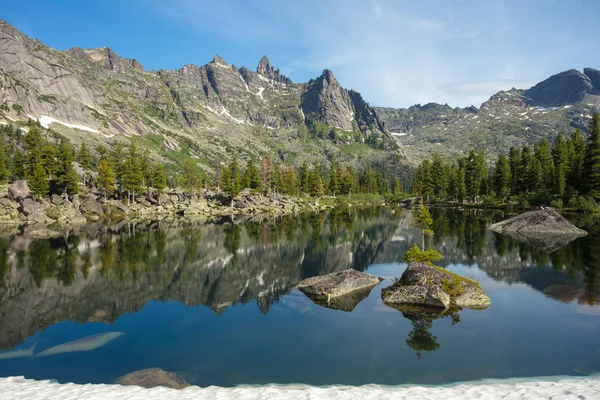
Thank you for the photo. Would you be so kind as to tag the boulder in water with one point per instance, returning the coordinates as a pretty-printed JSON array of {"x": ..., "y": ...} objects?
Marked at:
[
  {"x": 545, "y": 229},
  {"x": 339, "y": 290},
  {"x": 429, "y": 287}
]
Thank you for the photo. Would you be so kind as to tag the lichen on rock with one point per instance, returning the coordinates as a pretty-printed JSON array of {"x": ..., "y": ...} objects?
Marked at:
[{"x": 428, "y": 286}]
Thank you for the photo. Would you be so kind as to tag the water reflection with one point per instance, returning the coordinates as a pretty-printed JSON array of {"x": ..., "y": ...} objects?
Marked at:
[{"x": 107, "y": 271}]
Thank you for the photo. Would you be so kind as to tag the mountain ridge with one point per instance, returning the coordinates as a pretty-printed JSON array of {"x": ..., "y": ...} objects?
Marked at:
[{"x": 204, "y": 112}]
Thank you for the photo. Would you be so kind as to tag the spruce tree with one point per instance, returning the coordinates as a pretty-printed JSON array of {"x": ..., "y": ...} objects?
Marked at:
[
  {"x": 424, "y": 180},
  {"x": 315, "y": 183},
  {"x": 461, "y": 187},
  {"x": 132, "y": 175},
  {"x": 38, "y": 181},
  {"x": 251, "y": 176},
  {"x": 334, "y": 180},
  {"x": 304, "y": 177},
  {"x": 592, "y": 159},
  {"x": 577, "y": 151},
  {"x": 48, "y": 159},
  {"x": 106, "y": 178},
  {"x": 524, "y": 173},
  {"x": 544, "y": 154},
  {"x": 423, "y": 222},
  {"x": 560, "y": 155},
  {"x": 66, "y": 177},
  {"x": 159, "y": 179},
  {"x": 348, "y": 183},
  {"x": 83, "y": 157},
  {"x": 290, "y": 182},
  {"x": 535, "y": 175},
  {"x": 439, "y": 179},
  {"x": 4, "y": 174},
  {"x": 277, "y": 179},
  {"x": 502, "y": 177},
  {"x": 17, "y": 169},
  {"x": 34, "y": 143},
  {"x": 514, "y": 161}
]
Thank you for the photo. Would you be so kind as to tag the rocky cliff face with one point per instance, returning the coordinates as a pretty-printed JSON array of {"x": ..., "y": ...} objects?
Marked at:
[
  {"x": 561, "y": 89},
  {"x": 95, "y": 95}
]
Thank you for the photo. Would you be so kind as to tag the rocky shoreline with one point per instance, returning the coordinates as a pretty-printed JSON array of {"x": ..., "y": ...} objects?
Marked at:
[{"x": 47, "y": 216}]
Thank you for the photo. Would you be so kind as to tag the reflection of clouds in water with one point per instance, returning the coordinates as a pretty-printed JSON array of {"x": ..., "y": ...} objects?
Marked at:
[{"x": 585, "y": 309}]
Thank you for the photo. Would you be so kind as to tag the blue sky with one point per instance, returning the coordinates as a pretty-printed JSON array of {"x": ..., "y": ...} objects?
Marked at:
[{"x": 395, "y": 52}]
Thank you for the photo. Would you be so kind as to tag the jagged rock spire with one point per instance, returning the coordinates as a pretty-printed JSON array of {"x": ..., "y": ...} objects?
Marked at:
[{"x": 264, "y": 66}]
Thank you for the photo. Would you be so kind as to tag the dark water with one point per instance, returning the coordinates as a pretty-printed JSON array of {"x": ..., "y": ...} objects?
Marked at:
[{"x": 216, "y": 303}]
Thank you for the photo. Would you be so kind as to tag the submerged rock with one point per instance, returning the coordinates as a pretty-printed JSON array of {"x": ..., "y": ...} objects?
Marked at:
[
  {"x": 153, "y": 377},
  {"x": 426, "y": 286},
  {"x": 339, "y": 290},
  {"x": 545, "y": 229}
]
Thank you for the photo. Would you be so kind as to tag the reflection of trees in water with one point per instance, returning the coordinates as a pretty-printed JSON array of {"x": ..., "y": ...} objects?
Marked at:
[
  {"x": 420, "y": 338},
  {"x": 464, "y": 238}
]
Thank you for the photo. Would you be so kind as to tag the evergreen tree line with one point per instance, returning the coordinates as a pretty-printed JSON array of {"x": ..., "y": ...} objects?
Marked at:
[
  {"x": 47, "y": 162},
  {"x": 566, "y": 172},
  {"x": 317, "y": 180}
]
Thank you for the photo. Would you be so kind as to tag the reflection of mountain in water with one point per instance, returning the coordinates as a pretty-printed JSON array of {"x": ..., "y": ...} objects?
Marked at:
[{"x": 103, "y": 274}]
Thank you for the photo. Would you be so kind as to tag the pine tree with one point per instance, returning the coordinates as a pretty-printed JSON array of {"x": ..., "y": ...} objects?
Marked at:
[
  {"x": 4, "y": 174},
  {"x": 524, "y": 173},
  {"x": 106, "y": 178},
  {"x": 577, "y": 151},
  {"x": 514, "y": 161},
  {"x": 18, "y": 165},
  {"x": 349, "y": 181},
  {"x": 423, "y": 222},
  {"x": 159, "y": 179},
  {"x": 315, "y": 183},
  {"x": 439, "y": 178},
  {"x": 48, "y": 159},
  {"x": 475, "y": 172},
  {"x": 192, "y": 178},
  {"x": 461, "y": 187},
  {"x": 66, "y": 177},
  {"x": 34, "y": 143},
  {"x": 38, "y": 181},
  {"x": 117, "y": 163},
  {"x": 502, "y": 177},
  {"x": 277, "y": 179},
  {"x": 424, "y": 180},
  {"x": 334, "y": 180},
  {"x": 132, "y": 175},
  {"x": 544, "y": 154},
  {"x": 396, "y": 186},
  {"x": 304, "y": 177},
  {"x": 290, "y": 182},
  {"x": 251, "y": 177},
  {"x": 560, "y": 155},
  {"x": 83, "y": 157},
  {"x": 592, "y": 159},
  {"x": 535, "y": 176}
]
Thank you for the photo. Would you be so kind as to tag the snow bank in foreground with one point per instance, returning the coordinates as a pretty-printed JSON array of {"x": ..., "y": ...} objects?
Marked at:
[{"x": 571, "y": 388}]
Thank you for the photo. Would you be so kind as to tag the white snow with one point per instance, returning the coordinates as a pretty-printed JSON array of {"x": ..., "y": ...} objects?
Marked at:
[
  {"x": 399, "y": 133},
  {"x": 3, "y": 123},
  {"x": 226, "y": 113},
  {"x": 13, "y": 120},
  {"x": 245, "y": 84},
  {"x": 46, "y": 121},
  {"x": 569, "y": 106},
  {"x": 302, "y": 112},
  {"x": 262, "y": 78},
  {"x": 260, "y": 92},
  {"x": 19, "y": 388},
  {"x": 221, "y": 65},
  {"x": 475, "y": 117}
]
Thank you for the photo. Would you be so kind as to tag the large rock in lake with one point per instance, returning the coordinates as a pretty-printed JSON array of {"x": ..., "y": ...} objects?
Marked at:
[
  {"x": 545, "y": 229},
  {"x": 339, "y": 290},
  {"x": 426, "y": 286}
]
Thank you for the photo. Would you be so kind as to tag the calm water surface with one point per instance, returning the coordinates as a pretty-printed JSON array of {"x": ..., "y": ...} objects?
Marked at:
[{"x": 217, "y": 305}]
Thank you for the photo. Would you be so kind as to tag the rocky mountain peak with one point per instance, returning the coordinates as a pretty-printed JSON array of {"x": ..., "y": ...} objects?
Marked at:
[
  {"x": 561, "y": 89},
  {"x": 264, "y": 66},
  {"x": 217, "y": 59},
  {"x": 594, "y": 76},
  {"x": 327, "y": 75}
]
